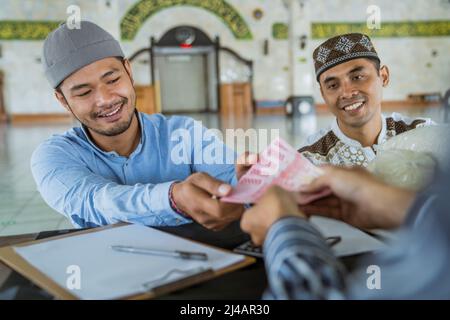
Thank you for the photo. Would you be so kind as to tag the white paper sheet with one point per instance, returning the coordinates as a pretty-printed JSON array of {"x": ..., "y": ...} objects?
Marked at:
[
  {"x": 108, "y": 274},
  {"x": 353, "y": 241}
]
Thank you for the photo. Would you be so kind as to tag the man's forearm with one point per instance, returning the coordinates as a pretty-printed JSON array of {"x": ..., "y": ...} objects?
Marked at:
[{"x": 393, "y": 206}]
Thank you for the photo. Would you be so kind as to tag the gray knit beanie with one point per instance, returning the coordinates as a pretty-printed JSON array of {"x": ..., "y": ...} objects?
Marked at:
[{"x": 68, "y": 50}]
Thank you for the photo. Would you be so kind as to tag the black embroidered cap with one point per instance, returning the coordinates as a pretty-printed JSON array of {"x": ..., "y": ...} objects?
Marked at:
[{"x": 342, "y": 48}]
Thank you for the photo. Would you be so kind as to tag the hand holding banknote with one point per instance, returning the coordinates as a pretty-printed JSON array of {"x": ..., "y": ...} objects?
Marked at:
[
  {"x": 195, "y": 197},
  {"x": 358, "y": 198},
  {"x": 281, "y": 165}
]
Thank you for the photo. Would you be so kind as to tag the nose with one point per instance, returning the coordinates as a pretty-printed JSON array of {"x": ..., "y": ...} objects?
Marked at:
[
  {"x": 348, "y": 91},
  {"x": 103, "y": 96}
]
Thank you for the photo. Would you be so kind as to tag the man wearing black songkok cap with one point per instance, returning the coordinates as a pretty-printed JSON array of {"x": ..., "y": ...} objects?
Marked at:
[{"x": 351, "y": 82}]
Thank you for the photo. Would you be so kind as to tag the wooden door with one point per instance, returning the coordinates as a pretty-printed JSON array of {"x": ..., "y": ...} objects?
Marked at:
[{"x": 2, "y": 100}]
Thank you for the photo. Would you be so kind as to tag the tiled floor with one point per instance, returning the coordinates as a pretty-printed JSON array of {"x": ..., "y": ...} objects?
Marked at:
[{"x": 23, "y": 211}]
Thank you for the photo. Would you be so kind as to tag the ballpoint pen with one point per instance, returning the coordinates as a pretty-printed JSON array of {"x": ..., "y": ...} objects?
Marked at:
[{"x": 166, "y": 253}]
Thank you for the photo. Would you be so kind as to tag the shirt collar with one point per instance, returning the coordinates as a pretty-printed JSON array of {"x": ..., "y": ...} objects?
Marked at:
[
  {"x": 351, "y": 142},
  {"x": 136, "y": 150},
  {"x": 341, "y": 136},
  {"x": 382, "y": 135},
  {"x": 142, "y": 139}
]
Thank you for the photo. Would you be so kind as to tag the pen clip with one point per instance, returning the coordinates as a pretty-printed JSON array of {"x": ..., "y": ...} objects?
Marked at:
[
  {"x": 192, "y": 255},
  {"x": 331, "y": 241}
]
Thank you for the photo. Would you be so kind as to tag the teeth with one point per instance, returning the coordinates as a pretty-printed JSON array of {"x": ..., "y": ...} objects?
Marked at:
[
  {"x": 112, "y": 112},
  {"x": 353, "y": 106}
]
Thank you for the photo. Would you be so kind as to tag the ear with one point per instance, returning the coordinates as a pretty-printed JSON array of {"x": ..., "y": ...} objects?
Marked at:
[
  {"x": 384, "y": 74},
  {"x": 62, "y": 100},
  {"x": 127, "y": 65}
]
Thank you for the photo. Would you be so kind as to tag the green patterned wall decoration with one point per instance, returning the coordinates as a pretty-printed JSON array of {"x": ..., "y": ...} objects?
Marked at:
[
  {"x": 439, "y": 28},
  {"x": 26, "y": 30},
  {"x": 280, "y": 31},
  {"x": 144, "y": 9}
]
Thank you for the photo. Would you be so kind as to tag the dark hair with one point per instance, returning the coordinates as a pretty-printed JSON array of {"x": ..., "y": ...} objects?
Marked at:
[
  {"x": 376, "y": 64},
  {"x": 58, "y": 88}
]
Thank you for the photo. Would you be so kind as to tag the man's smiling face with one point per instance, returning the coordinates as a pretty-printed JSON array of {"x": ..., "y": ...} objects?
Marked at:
[
  {"x": 353, "y": 91},
  {"x": 101, "y": 96}
]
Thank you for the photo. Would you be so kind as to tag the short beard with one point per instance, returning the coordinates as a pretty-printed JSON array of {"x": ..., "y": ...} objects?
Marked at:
[{"x": 121, "y": 128}]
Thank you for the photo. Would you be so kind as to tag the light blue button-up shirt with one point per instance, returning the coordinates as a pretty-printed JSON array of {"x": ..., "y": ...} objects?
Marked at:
[{"x": 92, "y": 187}]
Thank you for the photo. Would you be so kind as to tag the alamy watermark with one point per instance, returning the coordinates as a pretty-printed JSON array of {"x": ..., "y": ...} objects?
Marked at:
[
  {"x": 374, "y": 19},
  {"x": 74, "y": 19},
  {"x": 198, "y": 145},
  {"x": 374, "y": 280},
  {"x": 73, "y": 281}
]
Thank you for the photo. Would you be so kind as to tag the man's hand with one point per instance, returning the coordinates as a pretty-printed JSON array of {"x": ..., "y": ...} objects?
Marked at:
[
  {"x": 359, "y": 199},
  {"x": 244, "y": 162},
  {"x": 196, "y": 196},
  {"x": 273, "y": 205}
]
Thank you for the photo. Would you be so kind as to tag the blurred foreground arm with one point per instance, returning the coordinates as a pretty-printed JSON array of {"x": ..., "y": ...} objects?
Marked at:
[{"x": 359, "y": 199}]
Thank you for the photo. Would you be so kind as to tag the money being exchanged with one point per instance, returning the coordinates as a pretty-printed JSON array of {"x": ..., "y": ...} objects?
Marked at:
[{"x": 279, "y": 164}]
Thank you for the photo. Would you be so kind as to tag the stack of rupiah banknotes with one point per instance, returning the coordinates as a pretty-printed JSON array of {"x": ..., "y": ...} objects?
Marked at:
[{"x": 279, "y": 164}]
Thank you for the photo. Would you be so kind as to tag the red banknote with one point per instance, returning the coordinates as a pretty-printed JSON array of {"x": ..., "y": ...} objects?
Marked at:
[{"x": 279, "y": 164}]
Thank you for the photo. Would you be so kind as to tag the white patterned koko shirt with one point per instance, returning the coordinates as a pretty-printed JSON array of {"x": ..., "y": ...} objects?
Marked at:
[{"x": 332, "y": 146}]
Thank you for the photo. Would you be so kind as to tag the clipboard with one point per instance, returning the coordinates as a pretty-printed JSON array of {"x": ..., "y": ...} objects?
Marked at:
[{"x": 15, "y": 261}]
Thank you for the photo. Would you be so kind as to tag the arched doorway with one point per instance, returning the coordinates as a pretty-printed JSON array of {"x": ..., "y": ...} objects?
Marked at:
[
  {"x": 184, "y": 66},
  {"x": 185, "y": 75}
]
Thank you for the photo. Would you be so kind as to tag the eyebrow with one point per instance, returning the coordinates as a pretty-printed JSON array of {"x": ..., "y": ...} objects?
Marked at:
[
  {"x": 108, "y": 73},
  {"x": 79, "y": 86},
  {"x": 328, "y": 79},
  {"x": 356, "y": 69},
  {"x": 83, "y": 85}
]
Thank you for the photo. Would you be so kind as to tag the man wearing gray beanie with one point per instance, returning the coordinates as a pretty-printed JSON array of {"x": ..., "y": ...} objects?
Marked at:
[{"x": 121, "y": 165}]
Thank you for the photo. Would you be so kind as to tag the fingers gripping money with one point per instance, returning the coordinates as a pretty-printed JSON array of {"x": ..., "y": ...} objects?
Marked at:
[{"x": 279, "y": 164}]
